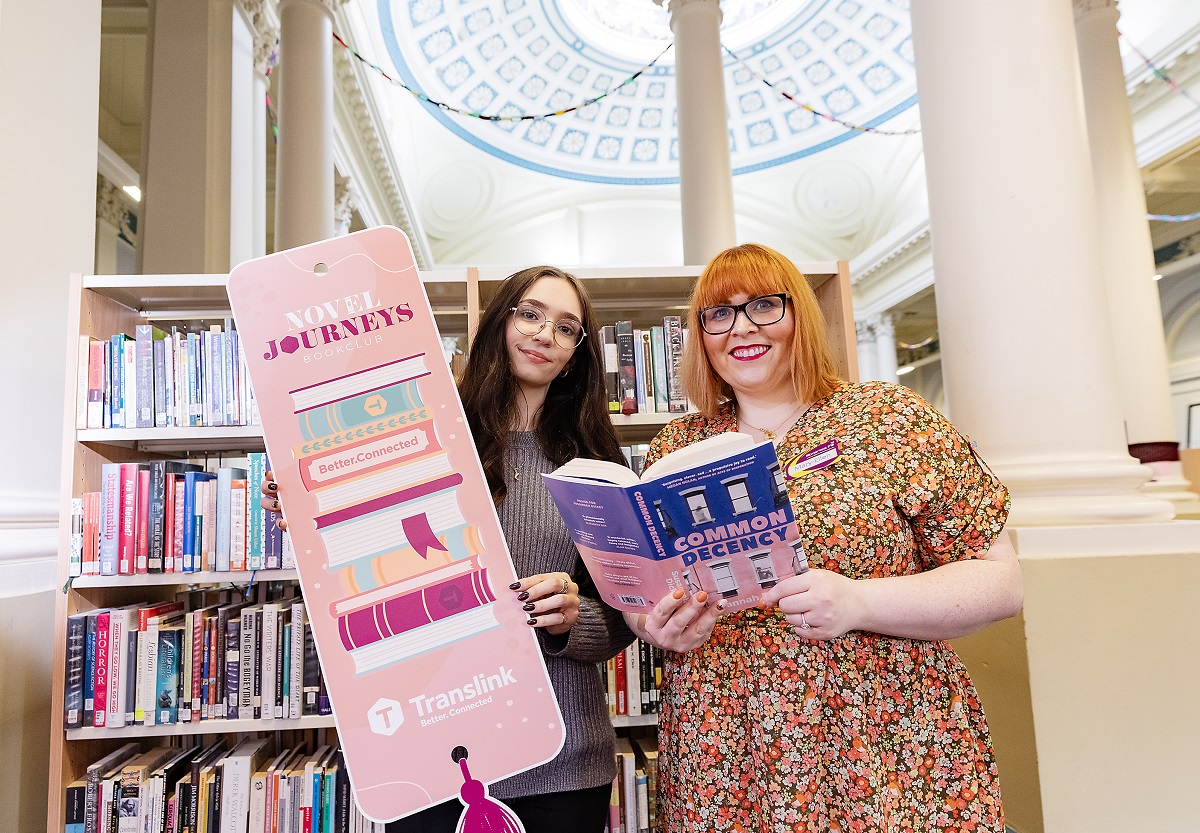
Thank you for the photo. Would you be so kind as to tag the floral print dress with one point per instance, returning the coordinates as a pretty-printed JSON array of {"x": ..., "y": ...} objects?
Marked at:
[{"x": 764, "y": 731}]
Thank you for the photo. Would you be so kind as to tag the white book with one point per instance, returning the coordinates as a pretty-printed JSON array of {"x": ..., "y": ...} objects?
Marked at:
[
  {"x": 81, "y": 381},
  {"x": 129, "y": 378},
  {"x": 633, "y": 678},
  {"x": 258, "y": 803},
  {"x": 185, "y": 672},
  {"x": 270, "y": 619},
  {"x": 626, "y": 771},
  {"x": 237, "y": 769},
  {"x": 296, "y": 662},
  {"x": 122, "y": 626}
]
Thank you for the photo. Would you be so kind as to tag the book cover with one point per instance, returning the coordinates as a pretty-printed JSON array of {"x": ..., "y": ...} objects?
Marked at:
[
  {"x": 166, "y": 695},
  {"x": 713, "y": 516},
  {"x": 344, "y": 334},
  {"x": 99, "y": 771}
]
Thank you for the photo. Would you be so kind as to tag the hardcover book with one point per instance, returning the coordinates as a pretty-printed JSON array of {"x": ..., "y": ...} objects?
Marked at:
[
  {"x": 713, "y": 516},
  {"x": 383, "y": 490}
]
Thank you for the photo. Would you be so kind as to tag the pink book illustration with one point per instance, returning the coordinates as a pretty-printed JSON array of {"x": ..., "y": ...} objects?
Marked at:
[{"x": 396, "y": 538}]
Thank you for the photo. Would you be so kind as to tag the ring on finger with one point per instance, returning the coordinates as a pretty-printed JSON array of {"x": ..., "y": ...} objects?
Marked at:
[
  {"x": 804, "y": 623},
  {"x": 566, "y": 584}
]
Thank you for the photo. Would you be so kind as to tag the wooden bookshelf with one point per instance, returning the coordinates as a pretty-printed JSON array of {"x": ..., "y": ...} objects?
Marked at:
[{"x": 103, "y": 305}]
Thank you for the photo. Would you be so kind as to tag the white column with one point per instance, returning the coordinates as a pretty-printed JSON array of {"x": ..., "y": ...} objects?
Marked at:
[
  {"x": 705, "y": 177},
  {"x": 1127, "y": 254},
  {"x": 884, "y": 327},
  {"x": 868, "y": 369},
  {"x": 264, "y": 47},
  {"x": 243, "y": 141},
  {"x": 304, "y": 156},
  {"x": 1027, "y": 356}
]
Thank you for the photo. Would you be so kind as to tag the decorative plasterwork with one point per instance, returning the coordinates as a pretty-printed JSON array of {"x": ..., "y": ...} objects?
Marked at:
[
  {"x": 1084, "y": 7},
  {"x": 850, "y": 58},
  {"x": 897, "y": 272},
  {"x": 379, "y": 185},
  {"x": 343, "y": 203}
]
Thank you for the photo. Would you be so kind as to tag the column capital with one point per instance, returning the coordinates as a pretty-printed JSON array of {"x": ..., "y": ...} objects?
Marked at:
[
  {"x": 330, "y": 6},
  {"x": 113, "y": 207},
  {"x": 343, "y": 204},
  {"x": 863, "y": 329},
  {"x": 1087, "y": 7},
  {"x": 676, "y": 6},
  {"x": 264, "y": 46}
]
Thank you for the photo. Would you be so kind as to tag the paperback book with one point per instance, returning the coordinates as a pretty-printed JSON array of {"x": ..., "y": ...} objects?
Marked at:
[{"x": 712, "y": 517}]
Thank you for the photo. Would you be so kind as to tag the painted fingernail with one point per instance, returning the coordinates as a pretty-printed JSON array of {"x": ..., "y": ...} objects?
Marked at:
[
  {"x": 516, "y": 585},
  {"x": 523, "y": 596},
  {"x": 677, "y": 593},
  {"x": 271, "y": 487},
  {"x": 528, "y": 606},
  {"x": 702, "y": 597},
  {"x": 531, "y": 621},
  {"x": 276, "y": 506},
  {"x": 721, "y": 605}
]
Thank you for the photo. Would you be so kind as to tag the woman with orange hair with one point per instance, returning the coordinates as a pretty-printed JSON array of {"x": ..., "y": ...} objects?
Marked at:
[{"x": 838, "y": 705}]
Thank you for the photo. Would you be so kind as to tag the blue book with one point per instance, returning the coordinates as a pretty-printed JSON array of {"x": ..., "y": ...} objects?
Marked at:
[
  {"x": 193, "y": 519},
  {"x": 255, "y": 514},
  {"x": 166, "y": 697},
  {"x": 193, "y": 374}
]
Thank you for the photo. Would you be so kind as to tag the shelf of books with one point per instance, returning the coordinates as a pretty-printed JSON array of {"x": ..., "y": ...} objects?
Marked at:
[{"x": 185, "y": 666}]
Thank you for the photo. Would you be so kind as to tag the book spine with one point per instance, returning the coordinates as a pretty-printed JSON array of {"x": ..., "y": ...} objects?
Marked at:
[
  {"x": 237, "y": 525},
  {"x": 633, "y": 678},
  {"x": 142, "y": 529},
  {"x": 181, "y": 524},
  {"x": 612, "y": 367},
  {"x": 312, "y": 673},
  {"x": 95, "y": 393},
  {"x": 75, "y": 556},
  {"x": 245, "y": 691},
  {"x": 168, "y": 523},
  {"x": 658, "y": 354},
  {"x": 270, "y": 615},
  {"x": 129, "y": 385},
  {"x": 116, "y": 416},
  {"x": 280, "y": 653},
  {"x": 127, "y": 532},
  {"x": 144, "y": 368},
  {"x": 119, "y": 668},
  {"x": 110, "y": 518},
  {"x": 639, "y": 372},
  {"x": 221, "y": 543},
  {"x": 296, "y": 664},
  {"x": 166, "y": 702},
  {"x": 285, "y": 664},
  {"x": 673, "y": 334},
  {"x": 73, "y": 679},
  {"x": 186, "y": 669},
  {"x": 157, "y": 515},
  {"x": 199, "y": 628},
  {"x": 254, "y": 512},
  {"x": 233, "y": 638},
  {"x": 100, "y": 686},
  {"x": 627, "y": 378},
  {"x": 409, "y": 611},
  {"x": 161, "y": 414},
  {"x": 647, "y": 379},
  {"x": 619, "y": 678},
  {"x": 75, "y": 810},
  {"x": 83, "y": 355},
  {"x": 130, "y": 647},
  {"x": 208, "y": 541}
]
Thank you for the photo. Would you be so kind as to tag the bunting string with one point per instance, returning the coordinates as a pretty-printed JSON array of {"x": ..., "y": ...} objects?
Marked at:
[
  {"x": 815, "y": 112},
  {"x": 1174, "y": 218},
  {"x": 449, "y": 108},
  {"x": 1158, "y": 73}
]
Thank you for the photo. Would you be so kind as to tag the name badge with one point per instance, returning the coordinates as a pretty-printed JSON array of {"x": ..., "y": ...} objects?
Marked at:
[{"x": 809, "y": 461}]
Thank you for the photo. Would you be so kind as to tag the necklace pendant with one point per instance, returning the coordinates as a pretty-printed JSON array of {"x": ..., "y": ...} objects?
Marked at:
[{"x": 516, "y": 474}]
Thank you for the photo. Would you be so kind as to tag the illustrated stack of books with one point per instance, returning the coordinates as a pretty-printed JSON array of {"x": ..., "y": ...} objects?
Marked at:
[
  {"x": 169, "y": 516},
  {"x": 642, "y": 367},
  {"x": 251, "y": 786},
  {"x": 211, "y": 654},
  {"x": 633, "y": 807},
  {"x": 159, "y": 379},
  {"x": 633, "y": 678}
]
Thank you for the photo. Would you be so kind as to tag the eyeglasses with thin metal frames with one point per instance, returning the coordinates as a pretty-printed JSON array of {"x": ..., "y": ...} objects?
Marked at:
[
  {"x": 530, "y": 321},
  {"x": 719, "y": 319}
]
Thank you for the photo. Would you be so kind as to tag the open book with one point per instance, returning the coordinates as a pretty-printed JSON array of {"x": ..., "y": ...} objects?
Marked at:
[{"x": 712, "y": 516}]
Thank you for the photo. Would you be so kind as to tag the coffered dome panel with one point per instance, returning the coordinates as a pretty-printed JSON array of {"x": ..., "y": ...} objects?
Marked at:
[{"x": 849, "y": 58}]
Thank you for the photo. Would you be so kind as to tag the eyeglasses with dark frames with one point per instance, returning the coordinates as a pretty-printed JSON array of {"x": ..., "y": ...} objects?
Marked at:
[
  {"x": 529, "y": 320},
  {"x": 763, "y": 310}
]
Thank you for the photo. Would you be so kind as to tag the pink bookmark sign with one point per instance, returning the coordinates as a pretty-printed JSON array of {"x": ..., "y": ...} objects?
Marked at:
[{"x": 401, "y": 558}]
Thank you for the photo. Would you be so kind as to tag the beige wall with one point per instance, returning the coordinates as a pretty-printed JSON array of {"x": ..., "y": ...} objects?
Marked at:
[{"x": 49, "y": 77}]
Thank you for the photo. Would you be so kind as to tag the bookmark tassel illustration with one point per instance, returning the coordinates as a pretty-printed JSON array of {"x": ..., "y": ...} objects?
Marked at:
[{"x": 482, "y": 813}]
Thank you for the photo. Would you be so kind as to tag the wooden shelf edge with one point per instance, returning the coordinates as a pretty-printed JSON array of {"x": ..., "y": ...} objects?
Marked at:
[{"x": 626, "y": 720}]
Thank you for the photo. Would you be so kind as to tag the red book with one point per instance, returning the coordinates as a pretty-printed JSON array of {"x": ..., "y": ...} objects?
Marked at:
[
  {"x": 103, "y": 658},
  {"x": 91, "y": 533},
  {"x": 143, "y": 520},
  {"x": 169, "y": 523},
  {"x": 127, "y": 519},
  {"x": 622, "y": 705}
]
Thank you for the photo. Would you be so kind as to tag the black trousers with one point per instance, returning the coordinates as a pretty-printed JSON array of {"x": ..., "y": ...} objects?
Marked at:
[{"x": 576, "y": 811}]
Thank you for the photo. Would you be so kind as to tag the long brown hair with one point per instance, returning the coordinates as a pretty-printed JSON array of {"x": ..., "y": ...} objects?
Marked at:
[
  {"x": 758, "y": 270},
  {"x": 574, "y": 418}
]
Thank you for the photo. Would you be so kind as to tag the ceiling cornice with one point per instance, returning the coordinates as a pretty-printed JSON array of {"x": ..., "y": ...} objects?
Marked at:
[{"x": 374, "y": 171}]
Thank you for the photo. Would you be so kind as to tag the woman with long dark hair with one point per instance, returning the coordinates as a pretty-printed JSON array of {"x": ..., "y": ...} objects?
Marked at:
[{"x": 533, "y": 393}]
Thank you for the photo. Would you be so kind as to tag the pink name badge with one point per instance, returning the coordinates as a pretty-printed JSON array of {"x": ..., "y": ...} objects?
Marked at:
[
  {"x": 809, "y": 461},
  {"x": 401, "y": 558}
]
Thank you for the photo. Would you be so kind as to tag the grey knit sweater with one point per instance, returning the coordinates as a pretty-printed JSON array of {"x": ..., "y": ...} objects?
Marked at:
[{"x": 539, "y": 543}]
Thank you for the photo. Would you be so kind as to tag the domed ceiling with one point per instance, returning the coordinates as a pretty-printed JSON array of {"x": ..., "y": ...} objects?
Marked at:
[{"x": 851, "y": 59}]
